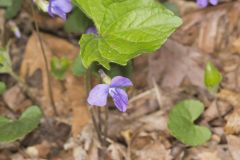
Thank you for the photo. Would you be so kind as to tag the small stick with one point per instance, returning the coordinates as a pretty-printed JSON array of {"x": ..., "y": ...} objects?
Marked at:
[
  {"x": 49, "y": 88},
  {"x": 88, "y": 80}
]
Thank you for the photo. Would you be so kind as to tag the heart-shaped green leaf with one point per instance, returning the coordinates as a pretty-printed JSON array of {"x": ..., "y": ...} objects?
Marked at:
[
  {"x": 13, "y": 130},
  {"x": 212, "y": 77},
  {"x": 5, "y": 61},
  {"x": 181, "y": 123},
  {"x": 126, "y": 29}
]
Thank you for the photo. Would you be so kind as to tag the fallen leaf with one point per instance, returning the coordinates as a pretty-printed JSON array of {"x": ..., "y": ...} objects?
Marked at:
[
  {"x": 15, "y": 99},
  {"x": 234, "y": 145},
  {"x": 212, "y": 29},
  {"x": 174, "y": 62},
  {"x": 69, "y": 95},
  {"x": 230, "y": 96},
  {"x": 154, "y": 151},
  {"x": 233, "y": 123},
  {"x": 117, "y": 152}
]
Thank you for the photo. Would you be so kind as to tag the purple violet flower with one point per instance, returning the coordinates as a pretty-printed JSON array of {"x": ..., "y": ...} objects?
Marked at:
[
  {"x": 98, "y": 95},
  {"x": 15, "y": 29},
  {"x": 60, "y": 8},
  {"x": 91, "y": 30},
  {"x": 204, "y": 3}
]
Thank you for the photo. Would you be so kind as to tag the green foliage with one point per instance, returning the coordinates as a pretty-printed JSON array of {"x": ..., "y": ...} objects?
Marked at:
[
  {"x": 212, "y": 77},
  {"x": 13, "y": 130},
  {"x": 117, "y": 70},
  {"x": 77, "y": 22},
  {"x": 5, "y": 61},
  {"x": 181, "y": 126},
  {"x": 13, "y": 9},
  {"x": 3, "y": 87},
  {"x": 126, "y": 28},
  {"x": 59, "y": 66},
  {"x": 77, "y": 66},
  {"x": 5, "y": 3}
]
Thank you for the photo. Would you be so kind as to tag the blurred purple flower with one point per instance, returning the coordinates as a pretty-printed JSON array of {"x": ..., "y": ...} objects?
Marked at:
[
  {"x": 60, "y": 8},
  {"x": 15, "y": 29},
  {"x": 91, "y": 30},
  {"x": 204, "y": 3},
  {"x": 98, "y": 95}
]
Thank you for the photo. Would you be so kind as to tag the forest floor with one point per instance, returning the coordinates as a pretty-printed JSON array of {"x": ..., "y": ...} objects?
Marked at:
[{"x": 174, "y": 73}]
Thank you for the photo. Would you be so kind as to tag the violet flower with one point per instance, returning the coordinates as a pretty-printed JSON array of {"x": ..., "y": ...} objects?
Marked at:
[
  {"x": 91, "y": 30},
  {"x": 204, "y": 3},
  {"x": 99, "y": 94},
  {"x": 15, "y": 29},
  {"x": 60, "y": 8}
]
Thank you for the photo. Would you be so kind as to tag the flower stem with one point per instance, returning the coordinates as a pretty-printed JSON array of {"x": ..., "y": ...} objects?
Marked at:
[
  {"x": 88, "y": 80},
  {"x": 49, "y": 87},
  {"x": 106, "y": 112}
]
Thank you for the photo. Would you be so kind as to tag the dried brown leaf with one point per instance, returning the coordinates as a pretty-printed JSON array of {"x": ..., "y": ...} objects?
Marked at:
[
  {"x": 69, "y": 96},
  {"x": 174, "y": 62},
  {"x": 234, "y": 146},
  {"x": 233, "y": 123}
]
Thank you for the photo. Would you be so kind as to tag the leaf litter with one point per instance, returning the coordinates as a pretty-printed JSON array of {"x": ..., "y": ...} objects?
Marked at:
[{"x": 141, "y": 133}]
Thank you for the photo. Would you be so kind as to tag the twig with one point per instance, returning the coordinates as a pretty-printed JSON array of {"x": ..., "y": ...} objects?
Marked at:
[
  {"x": 49, "y": 87},
  {"x": 139, "y": 96},
  {"x": 157, "y": 92}
]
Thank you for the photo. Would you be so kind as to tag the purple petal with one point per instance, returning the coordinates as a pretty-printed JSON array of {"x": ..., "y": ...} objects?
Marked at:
[
  {"x": 120, "y": 98},
  {"x": 60, "y": 8},
  {"x": 214, "y": 2},
  {"x": 98, "y": 95},
  {"x": 91, "y": 30},
  {"x": 59, "y": 12},
  {"x": 202, "y": 3},
  {"x": 120, "y": 81},
  {"x": 64, "y": 5}
]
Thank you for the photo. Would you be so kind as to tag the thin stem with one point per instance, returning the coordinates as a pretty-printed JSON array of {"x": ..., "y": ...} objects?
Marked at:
[
  {"x": 49, "y": 87},
  {"x": 95, "y": 124},
  {"x": 98, "y": 110},
  {"x": 88, "y": 79},
  {"x": 106, "y": 112}
]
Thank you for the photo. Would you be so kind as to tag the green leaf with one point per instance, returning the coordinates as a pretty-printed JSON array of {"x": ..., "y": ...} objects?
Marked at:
[
  {"x": 5, "y": 61},
  {"x": 181, "y": 126},
  {"x": 59, "y": 66},
  {"x": 13, "y": 10},
  {"x": 13, "y": 130},
  {"x": 212, "y": 77},
  {"x": 5, "y": 3},
  {"x": 77, "y": 22},
  {"x": 77, "y": 66},
  {"x": 127, "y": 28},
  {"x": 3, "y": 87}
]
